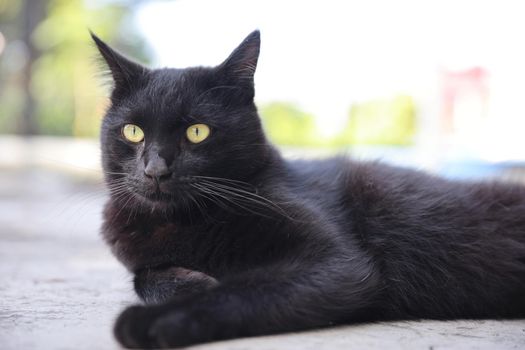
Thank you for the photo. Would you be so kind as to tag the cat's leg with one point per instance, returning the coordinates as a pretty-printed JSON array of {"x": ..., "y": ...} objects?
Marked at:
[
  {"x": 155, "y": 286},
  {"x": 265, "y": 301}
]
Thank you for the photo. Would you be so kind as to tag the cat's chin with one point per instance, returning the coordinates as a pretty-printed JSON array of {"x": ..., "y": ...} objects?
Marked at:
[{"x": 160, "y": 201}]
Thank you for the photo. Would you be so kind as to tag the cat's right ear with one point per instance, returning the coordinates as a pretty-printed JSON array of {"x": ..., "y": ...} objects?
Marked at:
[
  {"x": 123, "y": 71},
  {"x": 242, "y": 62}
]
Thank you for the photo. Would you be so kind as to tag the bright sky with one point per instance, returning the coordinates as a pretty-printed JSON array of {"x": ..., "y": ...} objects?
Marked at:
[{"x": 324, "y": 54}]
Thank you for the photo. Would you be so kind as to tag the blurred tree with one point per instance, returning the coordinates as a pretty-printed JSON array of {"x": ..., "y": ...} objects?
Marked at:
[
  {"x": 68, "y": 100},
  {"x": 32, "y": 14},
  {"x": 13, "y": 56}
]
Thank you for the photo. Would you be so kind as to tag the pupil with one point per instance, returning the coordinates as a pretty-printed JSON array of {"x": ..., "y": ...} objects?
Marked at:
[{"x": 197, "y": 131}]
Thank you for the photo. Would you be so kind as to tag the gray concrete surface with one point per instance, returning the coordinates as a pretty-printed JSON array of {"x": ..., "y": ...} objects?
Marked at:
[{"x": 61, "y": 289}]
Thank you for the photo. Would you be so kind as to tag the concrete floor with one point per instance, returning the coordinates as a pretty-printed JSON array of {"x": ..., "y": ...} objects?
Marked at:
[{"x": 62, "y": 289}]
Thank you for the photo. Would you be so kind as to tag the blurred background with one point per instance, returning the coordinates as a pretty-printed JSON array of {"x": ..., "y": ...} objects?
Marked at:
[{"x": 436, "y": 85}]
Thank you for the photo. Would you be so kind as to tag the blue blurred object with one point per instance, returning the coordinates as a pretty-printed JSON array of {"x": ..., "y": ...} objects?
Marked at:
[{"x": 473, "y": 169}]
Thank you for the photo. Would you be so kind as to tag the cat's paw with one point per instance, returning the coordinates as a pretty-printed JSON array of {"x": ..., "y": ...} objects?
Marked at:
[
  {"x": 151, "y": 327},
  {"x": 132, "y": 327},
  {"x": 177, "y": 329}
]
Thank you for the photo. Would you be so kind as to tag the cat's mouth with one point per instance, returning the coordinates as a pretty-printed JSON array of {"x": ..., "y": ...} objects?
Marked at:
[{"x": 153, "y": 195}]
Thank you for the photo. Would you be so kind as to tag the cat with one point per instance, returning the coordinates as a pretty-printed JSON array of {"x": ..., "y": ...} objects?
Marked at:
[{"x": 228, "y": 239}]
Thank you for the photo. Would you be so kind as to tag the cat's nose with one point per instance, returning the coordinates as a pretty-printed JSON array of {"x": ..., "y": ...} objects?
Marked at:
[{"x": 157, "y": 168}]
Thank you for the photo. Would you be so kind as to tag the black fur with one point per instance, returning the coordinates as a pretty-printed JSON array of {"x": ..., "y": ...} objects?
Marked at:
[{"x": 234, "y": 241}]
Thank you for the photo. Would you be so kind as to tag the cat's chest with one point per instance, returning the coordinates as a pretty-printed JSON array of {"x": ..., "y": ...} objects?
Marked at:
[
  {"x": 140, "y": 245},
  {"x": 216, "y": 247}
]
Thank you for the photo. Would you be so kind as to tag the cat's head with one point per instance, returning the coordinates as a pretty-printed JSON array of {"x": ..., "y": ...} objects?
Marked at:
[{"x": 169, "y": 130}]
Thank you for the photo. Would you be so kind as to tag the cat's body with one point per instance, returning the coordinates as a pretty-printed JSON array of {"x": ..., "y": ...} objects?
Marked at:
[{"x": 253, "y": 244}]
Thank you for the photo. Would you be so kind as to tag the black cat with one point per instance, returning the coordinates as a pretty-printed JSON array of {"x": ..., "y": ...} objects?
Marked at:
[{"x": 227, "y": 239}]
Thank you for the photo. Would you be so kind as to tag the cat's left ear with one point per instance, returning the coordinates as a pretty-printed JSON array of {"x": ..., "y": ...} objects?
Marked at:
[
  {"x": 124, "y": 71},
  {"x": 242, "y": 62}
]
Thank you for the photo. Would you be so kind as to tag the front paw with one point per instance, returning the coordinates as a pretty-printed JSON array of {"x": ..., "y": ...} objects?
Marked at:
[
  {"x": 178, "y": 329},
  {"x": 156, "y": 327},
  {"x": 156, "y": 286},
  {"x": 132, "y": 327}
]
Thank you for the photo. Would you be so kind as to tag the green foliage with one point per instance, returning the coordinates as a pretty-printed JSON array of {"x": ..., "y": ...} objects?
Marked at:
[
  {"x": 287, "y": 125},
  {"x": 381, "y": 122},
  {"x": 75, "y": 105},
  {"x": 69, "y": 97}
]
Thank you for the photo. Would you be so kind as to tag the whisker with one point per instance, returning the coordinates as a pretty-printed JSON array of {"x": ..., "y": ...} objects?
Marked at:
[
  {"x": 224, "y": 196},
  {"x": 251, "y": 197}
]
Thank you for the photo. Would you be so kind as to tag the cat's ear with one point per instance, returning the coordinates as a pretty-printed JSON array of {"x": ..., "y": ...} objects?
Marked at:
[
  {"x": 123, "y": 71},
  {"x": 242, "y": 62}
]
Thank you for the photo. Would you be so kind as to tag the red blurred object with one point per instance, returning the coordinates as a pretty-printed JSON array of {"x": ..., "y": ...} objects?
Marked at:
[{"x": 460, "y": 85}]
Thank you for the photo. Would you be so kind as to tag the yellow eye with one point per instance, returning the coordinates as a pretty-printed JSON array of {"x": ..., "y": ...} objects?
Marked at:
[
  {"x": 133, "y": 133},
  {"x": 198, "y": 133}
]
